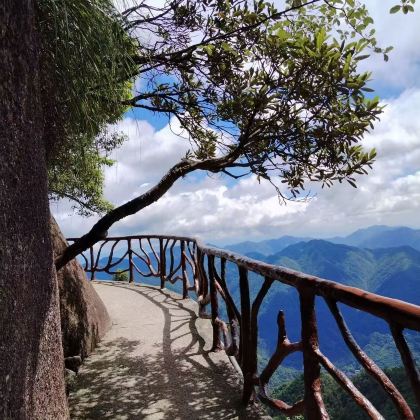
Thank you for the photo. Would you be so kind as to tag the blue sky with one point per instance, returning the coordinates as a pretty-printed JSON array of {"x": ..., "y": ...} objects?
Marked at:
[{"x": 221, "y": 210}]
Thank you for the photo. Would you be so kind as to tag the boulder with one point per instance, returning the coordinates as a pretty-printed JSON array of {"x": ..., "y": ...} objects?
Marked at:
[{"x": 84, "y": 318}]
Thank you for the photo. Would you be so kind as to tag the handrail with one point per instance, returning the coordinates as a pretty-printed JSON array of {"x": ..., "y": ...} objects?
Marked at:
[{"x": 239, "y": 336}]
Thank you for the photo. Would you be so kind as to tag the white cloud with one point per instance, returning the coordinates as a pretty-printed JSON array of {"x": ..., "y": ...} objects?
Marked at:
[{"x": 400, "y": 31}]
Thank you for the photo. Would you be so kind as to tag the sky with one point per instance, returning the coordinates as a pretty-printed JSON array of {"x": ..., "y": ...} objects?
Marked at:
[{"x": 221, "y": 211}]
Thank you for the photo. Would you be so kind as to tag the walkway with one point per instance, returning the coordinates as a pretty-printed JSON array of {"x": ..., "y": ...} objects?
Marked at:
[{"x": 154, "y": 363}]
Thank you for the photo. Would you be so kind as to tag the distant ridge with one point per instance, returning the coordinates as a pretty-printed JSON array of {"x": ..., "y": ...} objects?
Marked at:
[
  {"x": 382, "y": 237},
  {"x": 266, "y": 247},
  {"x": 378, "y": 236},
  {"x": 393, "y": 272}
]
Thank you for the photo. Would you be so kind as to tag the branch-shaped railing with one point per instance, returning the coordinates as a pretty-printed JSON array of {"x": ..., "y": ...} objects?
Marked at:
[{"x": 181, "y": 259}]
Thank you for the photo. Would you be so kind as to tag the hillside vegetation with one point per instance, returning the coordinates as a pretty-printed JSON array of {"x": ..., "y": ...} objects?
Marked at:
[{"x": 339, "y": 404}]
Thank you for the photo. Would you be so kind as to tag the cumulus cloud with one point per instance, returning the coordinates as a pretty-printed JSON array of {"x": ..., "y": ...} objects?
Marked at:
[{"x": 400, "y": 31}]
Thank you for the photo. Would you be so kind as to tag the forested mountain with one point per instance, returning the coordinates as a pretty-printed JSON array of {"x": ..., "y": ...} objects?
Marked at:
[
  {"x": 393, "y": 272},
  {"x": 381, "y": 237},
  {"x": 267, "y": 247}
]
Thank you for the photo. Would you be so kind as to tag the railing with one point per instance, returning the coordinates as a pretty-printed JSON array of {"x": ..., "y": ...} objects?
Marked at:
[{"x": 181, "y": 259}]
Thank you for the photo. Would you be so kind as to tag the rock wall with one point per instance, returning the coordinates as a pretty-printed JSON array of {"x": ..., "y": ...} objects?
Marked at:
[{"x": 84, "y": 318}]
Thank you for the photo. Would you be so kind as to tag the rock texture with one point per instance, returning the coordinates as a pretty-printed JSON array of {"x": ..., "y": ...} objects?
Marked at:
[{"x": 84, "y": 318}]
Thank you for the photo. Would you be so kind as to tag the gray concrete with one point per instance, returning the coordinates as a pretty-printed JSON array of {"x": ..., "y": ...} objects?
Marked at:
[{"x": 154, "y": 363}]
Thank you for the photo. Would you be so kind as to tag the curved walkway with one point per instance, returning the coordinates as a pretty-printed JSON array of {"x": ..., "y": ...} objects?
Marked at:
[{"x": 154, "y": 363}]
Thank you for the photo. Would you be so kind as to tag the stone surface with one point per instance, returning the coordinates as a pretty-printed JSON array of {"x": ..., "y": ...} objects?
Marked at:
[
  {"x": 154, "y": 363},
  {"x": 84, "y": 318}
]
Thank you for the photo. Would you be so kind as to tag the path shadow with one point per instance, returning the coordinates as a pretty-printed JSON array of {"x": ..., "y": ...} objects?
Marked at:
[{"x": 179, "y": 380}]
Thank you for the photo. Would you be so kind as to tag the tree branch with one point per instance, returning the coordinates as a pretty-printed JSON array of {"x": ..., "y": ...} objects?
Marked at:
[
  {"x": 100, "y": 230},
  {"x": 83, "y": 204},
  {"x": 223, "y": 36}
]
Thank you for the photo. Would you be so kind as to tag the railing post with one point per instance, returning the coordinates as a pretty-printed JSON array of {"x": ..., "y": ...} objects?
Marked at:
[
  {"x": 92, "y": 264},
  {"x": 217, "y": 343},
  {"x": 162, "y": 264},
  {"x": 233, "y": 320},
  {"x": 202, "y": 285},
  {"x": 130, "y": 262},
  {"x": 245, "y": 351},
  {"x": 195, "y": 273},
  {"x": 408, "y": 360},
  {"x": 184, "y": 271},
  {"x": 314, "y": 405}
]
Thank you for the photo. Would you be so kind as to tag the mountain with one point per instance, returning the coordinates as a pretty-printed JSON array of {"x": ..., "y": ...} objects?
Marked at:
[
  {"x": 267, "y": 247},
  {"x": 378, "y": 236},
  {"x": 393, "y": 272},
  {"x": 381, "y": 237}
]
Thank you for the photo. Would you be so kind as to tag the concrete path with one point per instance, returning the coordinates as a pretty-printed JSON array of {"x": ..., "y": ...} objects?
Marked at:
[{"x": 154, "y": 363}]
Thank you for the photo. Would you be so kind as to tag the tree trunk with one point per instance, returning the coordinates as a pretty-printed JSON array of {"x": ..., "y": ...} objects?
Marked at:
[{"x": 31, "y": 355}]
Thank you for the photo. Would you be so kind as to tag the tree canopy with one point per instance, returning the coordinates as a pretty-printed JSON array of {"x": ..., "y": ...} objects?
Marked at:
[
  {"x": 276, "y": 93},
  {"x": 87, "y": 67}
]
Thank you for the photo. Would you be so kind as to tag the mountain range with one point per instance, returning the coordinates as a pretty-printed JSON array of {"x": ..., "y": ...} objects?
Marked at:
[
  {"x": 393, "y": 272},
  {"x": 379, "y": 236},
  {"x": 380, "y": 259}
]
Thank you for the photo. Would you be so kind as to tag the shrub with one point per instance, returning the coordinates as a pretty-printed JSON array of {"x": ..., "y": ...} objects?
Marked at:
[{"x": 120, "y": 275}]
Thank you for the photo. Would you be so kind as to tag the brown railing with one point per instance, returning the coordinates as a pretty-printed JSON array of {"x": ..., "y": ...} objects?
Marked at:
[{"x": 181, "y": 259}]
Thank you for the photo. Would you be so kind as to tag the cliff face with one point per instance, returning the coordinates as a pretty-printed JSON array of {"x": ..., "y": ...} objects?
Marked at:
[{"x": 84, "y": 318}]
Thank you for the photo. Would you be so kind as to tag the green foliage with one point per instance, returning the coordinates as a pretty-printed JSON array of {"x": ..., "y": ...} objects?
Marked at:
[
  {"x": 120, "y": 275},
  {"x": 406, "y": 6},
  {"x": 277, "y": 93},
  {"x": 339, "y": 404},
  {"x": 279, "y": 90},
  {"x": 78, "y": 174},
  {"x": 87, "y": 68}
]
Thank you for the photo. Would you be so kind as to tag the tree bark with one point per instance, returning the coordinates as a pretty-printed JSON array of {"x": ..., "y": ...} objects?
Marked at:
[{"x": 31, "y": 356}]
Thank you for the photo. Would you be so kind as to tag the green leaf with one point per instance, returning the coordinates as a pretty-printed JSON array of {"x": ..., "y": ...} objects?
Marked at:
[
  {"x": 320, "y": 38},
  {"x": 352, "y": 183},
  {"x": 395, "y": 9},
  {"x": 361, "y": 57},
  {"x": 346, "y": 67}
]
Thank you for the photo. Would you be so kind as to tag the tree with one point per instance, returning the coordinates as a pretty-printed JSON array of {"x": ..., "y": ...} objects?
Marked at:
[
  {"x": 31, "y": 355},
  {"x": 274, "y": 93}
]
